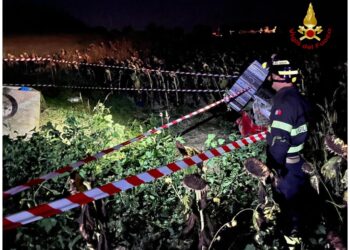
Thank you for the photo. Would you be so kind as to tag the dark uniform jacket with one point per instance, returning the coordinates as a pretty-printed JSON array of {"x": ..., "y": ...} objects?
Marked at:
[
  {"x": 288, "y": 129},
  {"x": 287, "y": 134}
]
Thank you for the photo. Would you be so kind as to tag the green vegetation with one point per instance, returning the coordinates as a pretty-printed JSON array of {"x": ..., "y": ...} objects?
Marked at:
[
  {"x": 155, "y": 215},
  {"x": 150, "y": 215},
  {"x": 56, "y": 109}
]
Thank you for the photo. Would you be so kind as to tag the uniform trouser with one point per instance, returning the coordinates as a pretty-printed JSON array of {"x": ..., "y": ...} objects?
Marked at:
[{"x": 291, "y": 192}]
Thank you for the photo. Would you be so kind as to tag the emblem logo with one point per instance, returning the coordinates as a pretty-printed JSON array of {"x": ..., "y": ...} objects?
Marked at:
[
  {"x": 310, "y": 32},
  {"x": 278, "y": 112}
]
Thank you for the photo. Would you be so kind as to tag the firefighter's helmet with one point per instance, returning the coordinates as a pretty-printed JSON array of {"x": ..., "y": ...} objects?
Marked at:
[{"x": 284, "y": 68}]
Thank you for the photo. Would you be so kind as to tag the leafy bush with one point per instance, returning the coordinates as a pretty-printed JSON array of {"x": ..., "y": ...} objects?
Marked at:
[{"x": 147, "y": 217}]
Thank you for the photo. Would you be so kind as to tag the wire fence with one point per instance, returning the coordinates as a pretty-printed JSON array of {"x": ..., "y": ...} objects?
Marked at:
[{"x": 146, "y": 85}]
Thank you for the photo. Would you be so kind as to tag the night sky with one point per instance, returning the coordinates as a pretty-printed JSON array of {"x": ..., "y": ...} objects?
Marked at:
[
  {"x": 116, "y": 14},
  {"x": 183, "y": 13}
]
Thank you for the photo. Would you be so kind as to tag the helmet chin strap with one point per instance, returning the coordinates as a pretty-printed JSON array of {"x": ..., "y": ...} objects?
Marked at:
[
  {"x": 285, "y": 79},
  {"x": 280, "y": 81}
]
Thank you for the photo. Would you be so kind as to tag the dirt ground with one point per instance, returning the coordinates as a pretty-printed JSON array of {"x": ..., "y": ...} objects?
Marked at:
[
  {"x": 195, "y": 130},
  {"x": 196, "y": 138}
]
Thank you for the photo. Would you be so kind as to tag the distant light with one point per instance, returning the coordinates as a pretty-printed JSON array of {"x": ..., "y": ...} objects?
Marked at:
[
  {"x": 216, "y": 34},
  {"x": 265, "y": 30}
]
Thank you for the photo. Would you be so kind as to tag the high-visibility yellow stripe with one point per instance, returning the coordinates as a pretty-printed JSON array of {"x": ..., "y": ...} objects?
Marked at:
[
  {"x": 288, "y": 72},
  {"x": 299, "y": 130},
  {"x": 296, "y": 148},
  {"x": 282, "y": 125},
  {"x": 281, "y": 62}
]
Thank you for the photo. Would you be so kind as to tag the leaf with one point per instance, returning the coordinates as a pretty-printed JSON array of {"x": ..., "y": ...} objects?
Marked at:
[
  {"x": 345, "y": 196},
  {"x": 82, "y": 172},
  {"x": 313, "y": 241},
  {"x": 221, "y": 141},
  {"x": 48, "y": 224},
  {"x": 256, "y": 218},
  {"x": 315, "y": 183},
  {"x": 186, "y": 202},
  {"x": 249, "y": 247},
  {"x": 108, "y": 118},
  {"x": 226, "y": 184},
  {"x": 330, "y": 168},
  {"x": 73, "y": 242},
  {"x": 209, "y": 139},
  {"x": 258, "y": 239},
  {"x": 216, "y": 200},
  {"x": 180, "y": 139},
  {"x": 233, "y": 223},
  {"x": 321, "y": 230},
  {"x": 344, "y": 180},
  {"x": 60, "y": 240},
  {"x": 292, "y": 240}
]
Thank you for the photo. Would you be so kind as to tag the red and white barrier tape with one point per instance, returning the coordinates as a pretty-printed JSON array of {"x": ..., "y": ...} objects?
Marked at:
[
  {"x": 65, "y": 204},
  {"x": 68, "y": 168},
  {"x": 42, "y": 59}
]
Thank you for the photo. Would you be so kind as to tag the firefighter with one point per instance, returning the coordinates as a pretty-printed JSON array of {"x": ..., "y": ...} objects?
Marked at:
[{"x": 286, "y": 137}]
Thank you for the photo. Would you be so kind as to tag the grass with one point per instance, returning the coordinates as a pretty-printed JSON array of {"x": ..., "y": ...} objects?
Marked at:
[
  {"x": 56, "y": 108},
  {"x": 124, "y": 112}
]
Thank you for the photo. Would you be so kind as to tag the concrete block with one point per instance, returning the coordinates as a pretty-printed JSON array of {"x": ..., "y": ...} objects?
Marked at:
[{"x": 21, "y": 111}]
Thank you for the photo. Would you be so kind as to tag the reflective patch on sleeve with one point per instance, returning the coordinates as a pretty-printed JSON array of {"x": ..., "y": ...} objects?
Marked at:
[
  {"x": 279, "y": 139},
  {"x": 299, "y": 130},
  {"x": 282, "y": 125},
  {"x": 295, "y": 149}
]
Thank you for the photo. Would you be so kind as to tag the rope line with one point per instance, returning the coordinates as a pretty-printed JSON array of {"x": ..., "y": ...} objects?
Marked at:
[
  {"x": 47, "y": 59},
  {"x": 76, "y": 200},
  {"x": 68, "y": 168},
  {"x": 115, "y": 88}
]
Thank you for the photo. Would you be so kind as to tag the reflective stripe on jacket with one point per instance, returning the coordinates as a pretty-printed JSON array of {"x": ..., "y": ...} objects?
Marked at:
[{"x": 288, "y": 128}]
